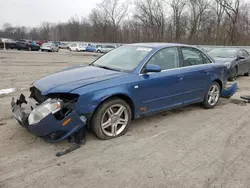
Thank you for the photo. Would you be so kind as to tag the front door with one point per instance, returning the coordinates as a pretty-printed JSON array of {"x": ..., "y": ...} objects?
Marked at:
[
  {"x": 160, "y": 91},
  {"x": 243, "y": 64}
]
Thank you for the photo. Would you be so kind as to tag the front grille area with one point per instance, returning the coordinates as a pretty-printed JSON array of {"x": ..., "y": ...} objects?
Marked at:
[{"x": 37, "y": 95}]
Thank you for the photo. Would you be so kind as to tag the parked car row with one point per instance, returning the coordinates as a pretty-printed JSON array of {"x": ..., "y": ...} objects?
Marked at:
[
  {"x": 99, "y": 48},
  {"x": 30, "y": 45},
  {"x": 54, "y": 46}
]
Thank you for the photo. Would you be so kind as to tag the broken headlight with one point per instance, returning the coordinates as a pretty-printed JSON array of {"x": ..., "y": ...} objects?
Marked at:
[{"x": 43, "y": 110}]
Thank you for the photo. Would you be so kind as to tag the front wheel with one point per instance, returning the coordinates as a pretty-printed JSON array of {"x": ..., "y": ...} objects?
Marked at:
[
  {"x": 212, "y": 96},
  {"x": 111, "y": 119},
  {"x": 247, "y": 73}
]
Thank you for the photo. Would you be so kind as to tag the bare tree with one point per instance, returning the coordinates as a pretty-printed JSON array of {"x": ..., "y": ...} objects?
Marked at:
[
  {"x": 178, "y": 8},
  {"x": 197, "y": 8},
  {"x": 232, "y": 8},
  {"x": 115, "y": 12},
  {"x": 151, "y": 14},
  {"x": 219, "y": 10},
  {"x": 100, "y": 25}
]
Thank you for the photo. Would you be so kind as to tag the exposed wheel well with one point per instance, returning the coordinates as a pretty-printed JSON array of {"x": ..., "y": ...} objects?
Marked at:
[
  {"x": 219, "y": 82},
  {"x": 236, "y": 68}
]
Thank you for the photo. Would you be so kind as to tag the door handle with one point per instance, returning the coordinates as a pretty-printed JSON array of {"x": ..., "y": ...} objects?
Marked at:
[{"x": 180, "y": 78}]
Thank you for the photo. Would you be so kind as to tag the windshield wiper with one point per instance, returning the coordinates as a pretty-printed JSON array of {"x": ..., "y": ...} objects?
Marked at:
[{"x": 108, "y": 68}]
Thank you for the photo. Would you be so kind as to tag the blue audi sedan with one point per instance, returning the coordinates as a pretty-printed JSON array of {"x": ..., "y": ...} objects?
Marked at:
[{"x": 129, "y": 82}]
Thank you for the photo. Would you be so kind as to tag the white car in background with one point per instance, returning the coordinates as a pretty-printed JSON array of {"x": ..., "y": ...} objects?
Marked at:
[
  {"x": 104, "y": 48},
  {"x": 49, "y": 47},
  {"x": 79, "y": 47}
]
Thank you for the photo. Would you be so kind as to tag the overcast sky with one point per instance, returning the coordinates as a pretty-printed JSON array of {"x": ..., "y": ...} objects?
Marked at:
[{"x": 34, "y": 12}]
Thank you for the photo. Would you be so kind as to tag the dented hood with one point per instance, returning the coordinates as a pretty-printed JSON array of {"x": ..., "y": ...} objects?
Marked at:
[{"x": 73, "y": 78}]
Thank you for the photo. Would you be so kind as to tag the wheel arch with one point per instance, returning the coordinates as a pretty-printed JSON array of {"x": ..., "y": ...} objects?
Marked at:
[
  {"x": 122, "y": 96},
  {"x": 219, "y": 82}
]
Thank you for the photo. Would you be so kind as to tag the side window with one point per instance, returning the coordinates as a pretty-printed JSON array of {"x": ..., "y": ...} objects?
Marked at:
[
  {"x": 206, "y": 60},
  {"x": 192, "y": 57},
  {"x": 241, "y": 53},
  {"x": 167, "y": 58},
  {"x": 246, "y": 54}
]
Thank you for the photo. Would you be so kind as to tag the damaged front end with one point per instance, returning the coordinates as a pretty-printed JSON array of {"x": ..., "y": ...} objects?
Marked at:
[{"x": 50, "y": 117}]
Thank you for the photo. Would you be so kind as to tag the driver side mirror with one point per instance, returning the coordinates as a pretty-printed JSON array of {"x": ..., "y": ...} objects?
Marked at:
[
  {"x": 240, "y": 57},
  {"x": 152, "y": 68}
]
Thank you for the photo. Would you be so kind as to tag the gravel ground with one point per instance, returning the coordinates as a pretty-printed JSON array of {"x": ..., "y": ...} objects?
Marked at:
[{"x": 188, "y": 147}]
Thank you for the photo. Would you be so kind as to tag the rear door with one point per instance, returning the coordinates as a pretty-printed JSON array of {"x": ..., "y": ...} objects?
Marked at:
[{"x": 195, "y": 73}]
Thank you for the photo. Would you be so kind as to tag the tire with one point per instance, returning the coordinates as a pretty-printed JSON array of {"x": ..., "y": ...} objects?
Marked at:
[
  {"x": 233, "y": 75},
  {"x": 99, "y": 51},
  {"x": 103, "y": 113},
  {"x": 247, "y": 73},
  {"x": 29, "y": 49},
  {"x": 208, "y": 105},
  {"x": 42, "y": 50}
]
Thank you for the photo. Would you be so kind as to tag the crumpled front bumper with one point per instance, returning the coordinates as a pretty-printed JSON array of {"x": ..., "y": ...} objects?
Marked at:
[
  {"x": 49, "y": 128},
  {"x": 229, "y": 90}
]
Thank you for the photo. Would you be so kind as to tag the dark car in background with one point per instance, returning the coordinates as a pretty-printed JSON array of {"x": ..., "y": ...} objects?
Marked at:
[
  {"x": 237, "y": 60},
  {"x": 11, "y": 44},
  {"x": 29, "y": 45},
  {"x": 7, "y": 44}
]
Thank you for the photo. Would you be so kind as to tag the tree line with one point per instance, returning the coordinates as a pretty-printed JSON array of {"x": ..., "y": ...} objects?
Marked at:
[{"x": 211, "y": 22}]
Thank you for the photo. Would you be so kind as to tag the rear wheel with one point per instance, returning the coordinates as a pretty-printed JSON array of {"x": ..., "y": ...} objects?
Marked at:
[
  {"x": 111, "y": 119},
  {"x": 212, "y": 96},
  {"x": 30, "y": 48}
]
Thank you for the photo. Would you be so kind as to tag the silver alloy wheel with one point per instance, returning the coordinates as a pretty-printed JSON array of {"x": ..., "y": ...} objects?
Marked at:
[
  {"x": 213, "y": 95},
  {"x": 114, "y": 120}
]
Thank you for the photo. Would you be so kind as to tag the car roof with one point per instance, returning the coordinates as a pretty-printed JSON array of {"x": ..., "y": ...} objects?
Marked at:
[{"x": 158, "y": 45}]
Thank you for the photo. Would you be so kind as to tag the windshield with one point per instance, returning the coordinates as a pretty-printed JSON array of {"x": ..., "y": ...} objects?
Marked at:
[
  {"x": 223, "y": 53},
  {"x": 125, "y": 58}
]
